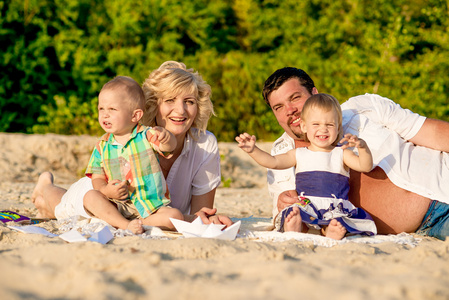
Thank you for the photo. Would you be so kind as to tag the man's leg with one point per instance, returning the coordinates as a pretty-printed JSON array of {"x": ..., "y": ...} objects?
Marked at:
[{"x": 436, "y": 221}]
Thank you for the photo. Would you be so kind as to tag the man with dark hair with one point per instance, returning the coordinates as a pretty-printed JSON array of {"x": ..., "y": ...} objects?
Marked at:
[{"x": 407, "y": 189}]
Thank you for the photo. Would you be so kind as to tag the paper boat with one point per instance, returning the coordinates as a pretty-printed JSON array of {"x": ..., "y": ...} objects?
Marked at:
[{"x": 198, "y": 229}]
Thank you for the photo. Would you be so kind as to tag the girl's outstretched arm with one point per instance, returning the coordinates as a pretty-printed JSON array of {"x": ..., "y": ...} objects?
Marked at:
[{"x": 282, "y": 161}]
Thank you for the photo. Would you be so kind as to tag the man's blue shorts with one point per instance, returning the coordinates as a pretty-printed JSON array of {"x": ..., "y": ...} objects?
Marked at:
[{"x": 436, "y": 221}]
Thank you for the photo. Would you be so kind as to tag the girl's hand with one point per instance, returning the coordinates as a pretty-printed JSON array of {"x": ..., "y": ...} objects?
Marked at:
[
  {"x": 246, "y": 142},
  {"x": 352, "y": 141}
]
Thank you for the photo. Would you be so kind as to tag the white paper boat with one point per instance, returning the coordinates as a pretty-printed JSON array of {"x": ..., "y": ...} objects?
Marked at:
[{"x": 198, "y": 229}]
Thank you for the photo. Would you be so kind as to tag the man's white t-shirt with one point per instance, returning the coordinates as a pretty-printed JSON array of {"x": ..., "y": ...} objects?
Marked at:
[{"x": 386, "y": 127}]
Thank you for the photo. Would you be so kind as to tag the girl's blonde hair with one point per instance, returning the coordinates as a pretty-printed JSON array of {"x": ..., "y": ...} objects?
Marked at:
[
  {"x": 326, "y": 103},
  {"x": 170, "y": 80}
]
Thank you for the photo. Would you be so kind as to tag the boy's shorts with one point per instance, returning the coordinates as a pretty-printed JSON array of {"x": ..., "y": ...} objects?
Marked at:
[
  {"x": 126, "y": 208},
  {"x": 72, "y": 201}
]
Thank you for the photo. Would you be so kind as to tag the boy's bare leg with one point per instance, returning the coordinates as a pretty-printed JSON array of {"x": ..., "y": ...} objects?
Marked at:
[
  {"x": 46, "y": 196},
  {"x": 99, "y": 205},
  {"x": 335, "y": 230},
  {"x": 161, "y": 218},
  {"x": 293, "y": 222}
]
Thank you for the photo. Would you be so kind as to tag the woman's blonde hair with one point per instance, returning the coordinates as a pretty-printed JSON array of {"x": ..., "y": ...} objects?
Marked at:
[
  {"x": 326, "y": 103},
  {"x": 170, "y": 80}
]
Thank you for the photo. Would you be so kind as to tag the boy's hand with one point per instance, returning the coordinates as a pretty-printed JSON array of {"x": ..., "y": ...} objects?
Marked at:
[
  {"x": 167, "y": 141},
  {"x": 352, "y": 141},
  {"x": 117, "y": 189},
  {"x": 161, "y": 134},
  {"x": 246, "y": 142}
]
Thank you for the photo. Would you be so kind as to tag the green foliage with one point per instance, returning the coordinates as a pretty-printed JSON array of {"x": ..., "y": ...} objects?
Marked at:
[
  {"x": 70, "y": 116},
  {"x": 56, "y": 55},
  {"x": 226, "y": 182}
]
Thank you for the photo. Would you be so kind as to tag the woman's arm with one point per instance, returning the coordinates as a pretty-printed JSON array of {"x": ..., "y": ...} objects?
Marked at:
[
  {"x": 200, "y": 201},
  {"x": 202, "y": 206}
]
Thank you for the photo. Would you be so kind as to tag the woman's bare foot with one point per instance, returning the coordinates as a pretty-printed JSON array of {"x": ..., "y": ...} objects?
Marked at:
[
  {"x": 135, "y": 226},
  {"x": 335, "y": 230},
  {"x": 37, "y": 197},
  {"x": 44, "y": 179},
  {"x": 293, "y": 221}
]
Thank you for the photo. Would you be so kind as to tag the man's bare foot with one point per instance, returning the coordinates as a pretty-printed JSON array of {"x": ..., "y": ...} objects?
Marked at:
[
  {"x": 293, "y": 221},
  {"x": 135, "y": 226},
  {"x": 37, "y": 197},
  {"x": 335, "y": 230}
]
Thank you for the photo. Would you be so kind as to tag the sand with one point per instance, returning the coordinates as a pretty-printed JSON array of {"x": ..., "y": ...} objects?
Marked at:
[{"x": 132, "y": 267}]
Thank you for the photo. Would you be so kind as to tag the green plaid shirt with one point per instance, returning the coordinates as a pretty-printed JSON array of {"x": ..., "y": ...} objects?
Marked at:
[{"x": 135, "y": 162}]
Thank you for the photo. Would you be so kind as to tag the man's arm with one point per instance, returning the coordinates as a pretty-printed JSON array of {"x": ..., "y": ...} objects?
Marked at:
[{"x": 433, "y": 134}]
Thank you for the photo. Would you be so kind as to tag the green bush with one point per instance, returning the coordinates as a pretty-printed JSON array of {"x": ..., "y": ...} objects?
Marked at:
[{"x": 56, "y": 55}]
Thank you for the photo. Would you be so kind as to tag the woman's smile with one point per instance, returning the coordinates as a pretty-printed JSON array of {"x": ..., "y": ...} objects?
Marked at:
[{"x": 177, "y": 114}]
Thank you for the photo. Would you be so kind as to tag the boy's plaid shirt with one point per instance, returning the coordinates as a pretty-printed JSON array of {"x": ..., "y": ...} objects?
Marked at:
[{"x": 135, "y": 162}]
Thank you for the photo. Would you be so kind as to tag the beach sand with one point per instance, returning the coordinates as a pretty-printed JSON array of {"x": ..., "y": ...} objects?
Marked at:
[{"x": 38, "y": 267}]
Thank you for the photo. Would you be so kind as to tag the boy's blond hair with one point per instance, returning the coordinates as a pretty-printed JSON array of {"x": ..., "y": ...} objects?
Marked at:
[
  {"x": 326, "y": 103},
  {"x": 170, "y": 80},
  {"x": 131, "y": 88}
]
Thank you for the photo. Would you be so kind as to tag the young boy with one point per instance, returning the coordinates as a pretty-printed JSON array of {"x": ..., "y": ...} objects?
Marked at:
[{"x": 123, "y": 166}]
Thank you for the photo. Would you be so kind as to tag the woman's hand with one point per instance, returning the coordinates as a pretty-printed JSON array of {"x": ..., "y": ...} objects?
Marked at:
[{"x": 208, "y": 216}]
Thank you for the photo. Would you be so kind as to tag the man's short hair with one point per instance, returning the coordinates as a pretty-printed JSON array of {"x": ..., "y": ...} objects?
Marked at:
[{"x": 280, "y": 76}]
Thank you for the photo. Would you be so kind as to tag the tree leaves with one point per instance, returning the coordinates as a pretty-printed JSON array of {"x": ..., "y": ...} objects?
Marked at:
[{"x": 56, "y": 55}]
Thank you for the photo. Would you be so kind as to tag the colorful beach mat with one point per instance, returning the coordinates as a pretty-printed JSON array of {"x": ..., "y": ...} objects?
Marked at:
[{"x": 11, "y": 216}]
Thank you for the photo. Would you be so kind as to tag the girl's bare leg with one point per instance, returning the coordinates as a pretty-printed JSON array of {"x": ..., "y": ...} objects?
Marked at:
[
  {"x": 293, "y": 221},
  {"x": 99, "y": 205},
  {"x": 161, "y": 218},
  {"x": 46, "y": 196}
]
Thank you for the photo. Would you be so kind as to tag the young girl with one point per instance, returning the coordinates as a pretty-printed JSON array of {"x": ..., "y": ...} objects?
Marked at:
[{"x": 322, "y": 173}]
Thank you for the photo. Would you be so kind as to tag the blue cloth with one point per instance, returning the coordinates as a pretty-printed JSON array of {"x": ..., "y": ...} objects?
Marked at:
[
  {"x": 322, "y": 183},
  {"x": 436, "y": 221}
]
